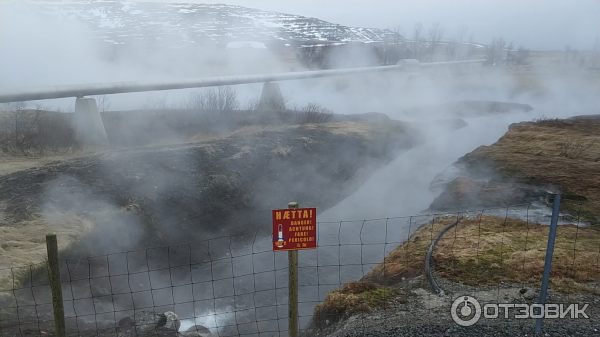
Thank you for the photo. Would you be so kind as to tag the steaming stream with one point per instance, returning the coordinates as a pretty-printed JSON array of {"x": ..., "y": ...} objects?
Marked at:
[
  {"x": 400, "y": 189},
  {"x": 244, "y": 289}
]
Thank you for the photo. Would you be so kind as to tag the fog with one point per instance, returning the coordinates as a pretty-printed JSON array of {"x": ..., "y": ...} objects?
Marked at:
[
  {"x": 41, "y": 50},
  {"x": 38, "y": 51},
  {"x": 542, "y": 25}
]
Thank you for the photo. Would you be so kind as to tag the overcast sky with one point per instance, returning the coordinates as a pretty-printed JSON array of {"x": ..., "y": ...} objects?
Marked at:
[{"x": 538, "y": 24}]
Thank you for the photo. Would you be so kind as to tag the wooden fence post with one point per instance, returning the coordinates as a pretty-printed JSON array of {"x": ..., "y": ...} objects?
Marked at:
[
  {"x": 55, "y": 285},
  {"x": 293, "y": 287}
]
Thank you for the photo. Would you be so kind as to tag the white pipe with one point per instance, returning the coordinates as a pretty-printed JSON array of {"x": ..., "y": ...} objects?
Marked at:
[{"x": 81, "y": 90}]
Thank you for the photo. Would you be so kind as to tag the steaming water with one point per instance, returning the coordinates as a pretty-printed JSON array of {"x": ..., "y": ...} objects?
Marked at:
[
  {"x": 402, "y": 188},
  {"x": 245, "y": 290},
  {"x": 349, "y": 249}
]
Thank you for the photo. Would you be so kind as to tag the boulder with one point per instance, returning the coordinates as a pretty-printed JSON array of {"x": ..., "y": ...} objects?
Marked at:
[
  {"x": 147, "y": 320},
  {"x": 126, "y": 323},
  {"x": 143, "y": 322},
  {"x": 156, "y": 332},
  {"x": 173, "y": 322},
  {"x": 529, "y": 294}
]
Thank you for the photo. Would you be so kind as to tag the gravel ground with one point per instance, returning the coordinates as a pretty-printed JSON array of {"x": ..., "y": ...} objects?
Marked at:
[
  {"x": 477, "y": 330},
  {"x": 418, "y": 312}
]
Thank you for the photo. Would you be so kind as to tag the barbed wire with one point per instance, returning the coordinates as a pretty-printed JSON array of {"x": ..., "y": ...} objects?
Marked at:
[{"x": 237, "y": 286}]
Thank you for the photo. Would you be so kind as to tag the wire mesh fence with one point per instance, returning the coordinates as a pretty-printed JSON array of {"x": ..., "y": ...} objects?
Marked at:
[{"x": 237, "y": 286}]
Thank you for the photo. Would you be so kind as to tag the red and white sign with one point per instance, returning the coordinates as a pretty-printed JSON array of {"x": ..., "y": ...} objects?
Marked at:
[{"x": 294, "y": 229}]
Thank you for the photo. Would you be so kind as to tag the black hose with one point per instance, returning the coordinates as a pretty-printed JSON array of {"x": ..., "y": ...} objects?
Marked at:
[{"x": 432, "y": 281}]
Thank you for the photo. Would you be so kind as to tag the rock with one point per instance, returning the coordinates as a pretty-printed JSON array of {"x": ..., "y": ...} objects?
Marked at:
[
  {"x": 142, "y": 321},
  {"x": 196, "y": 331},
  {"x": 173, "y": 322},
  {"x": 150, "y": 320},
  {"x": 126, "y": 323},
  {"x": 156, "y": 332},
  {"x": 530, "y": 294}
]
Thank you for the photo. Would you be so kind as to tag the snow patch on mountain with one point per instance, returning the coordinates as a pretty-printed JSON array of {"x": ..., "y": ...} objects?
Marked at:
[{"x": 176, "y": 24}]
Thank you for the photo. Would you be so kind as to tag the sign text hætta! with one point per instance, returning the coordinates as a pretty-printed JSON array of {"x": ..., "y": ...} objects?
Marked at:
[{"x": 297, "y": 214}]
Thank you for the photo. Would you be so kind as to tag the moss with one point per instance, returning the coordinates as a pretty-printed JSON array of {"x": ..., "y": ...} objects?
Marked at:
[
  {"x": 579, "y": 206},
  {"x": 568, "y": 195},
  {"x": 354, "y": 297}
]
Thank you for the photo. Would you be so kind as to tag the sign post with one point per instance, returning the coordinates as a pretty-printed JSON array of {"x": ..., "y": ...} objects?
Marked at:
[{"x": 294, "y": 229}]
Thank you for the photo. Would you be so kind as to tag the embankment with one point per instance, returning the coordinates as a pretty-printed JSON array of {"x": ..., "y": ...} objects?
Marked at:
[
  {"x": 145, "y": 197},
  {"x": 531, "y": 161}
]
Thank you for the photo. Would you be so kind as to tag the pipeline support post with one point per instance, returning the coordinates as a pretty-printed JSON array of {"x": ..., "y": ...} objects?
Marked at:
[
  {"x": 271, "y": 98},
  {"x": 55, "y": 284},
  {"x": 293, "y": 288},
  {"x": 548, "y": 263},
  {"x": 89, "y": 128}
]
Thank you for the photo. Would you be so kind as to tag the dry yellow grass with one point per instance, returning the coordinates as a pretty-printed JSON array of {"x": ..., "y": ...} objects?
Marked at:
[
  {"x": 15, "y": 163},
  {"x": 241, "y": 132},
  {"x": 282, "y": 151},
  {"x": 252, "y": 130},
  {"x": 350, "y": 129},
  {"x": 408, "y": 259},
  {"x": 488, "y": 250},
  {"x": 354, "y": 297},
  {"x": 243, "y": 150},
  {"x": 24, "y": 244}
]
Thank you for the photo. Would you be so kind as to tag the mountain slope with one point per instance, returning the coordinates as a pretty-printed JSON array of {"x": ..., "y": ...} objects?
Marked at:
[{"x": 179, "y": 25}]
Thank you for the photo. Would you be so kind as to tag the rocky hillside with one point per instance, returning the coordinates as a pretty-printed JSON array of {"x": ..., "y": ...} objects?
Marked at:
[{"x": 177, "y": 25}]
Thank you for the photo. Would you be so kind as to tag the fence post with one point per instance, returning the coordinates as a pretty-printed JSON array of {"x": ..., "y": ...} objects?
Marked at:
[
  {"x": 293, "y": 287},
  {"x": 548, "y": 263},
  {"x": 55, "y": 285}
]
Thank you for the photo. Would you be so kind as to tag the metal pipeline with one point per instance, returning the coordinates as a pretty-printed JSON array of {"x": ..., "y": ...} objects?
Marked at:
[{"x": 82, "y": 90}]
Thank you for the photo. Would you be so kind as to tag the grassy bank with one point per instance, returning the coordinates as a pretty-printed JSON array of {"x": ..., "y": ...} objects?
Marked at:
[
  {"x": 562, "y": 153},
  {"x": 488, "y": 250}
]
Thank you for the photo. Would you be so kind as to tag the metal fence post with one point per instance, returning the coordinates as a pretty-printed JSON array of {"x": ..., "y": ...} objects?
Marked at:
[
  {"x": 55, "y": 285},
  {"x": 548, "y": 263},
  {"x": 293, "y": 287}
]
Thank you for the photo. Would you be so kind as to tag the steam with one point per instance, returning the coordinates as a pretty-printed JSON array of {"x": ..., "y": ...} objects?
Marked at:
[
  {"x": 113, "y": 231},
  {"x": 210, "y": 319},
  {"x": 38, "y": 50},
  {"x": 43, "y": 49},
  {"x": 533, "y": 24}
]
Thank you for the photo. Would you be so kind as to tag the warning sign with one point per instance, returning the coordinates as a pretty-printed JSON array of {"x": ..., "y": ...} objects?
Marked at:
[{"x": 294, "y": 229}]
